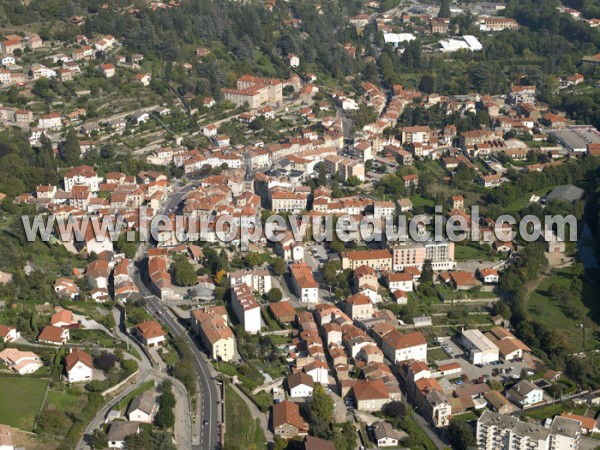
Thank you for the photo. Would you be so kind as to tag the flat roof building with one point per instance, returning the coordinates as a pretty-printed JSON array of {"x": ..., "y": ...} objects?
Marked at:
[
  {"x": 481, "y": 350},
  {"x": 576, "y": 138}
]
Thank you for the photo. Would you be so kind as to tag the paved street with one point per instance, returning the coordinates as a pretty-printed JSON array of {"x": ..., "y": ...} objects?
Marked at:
[{"x": 204, "y": 437}]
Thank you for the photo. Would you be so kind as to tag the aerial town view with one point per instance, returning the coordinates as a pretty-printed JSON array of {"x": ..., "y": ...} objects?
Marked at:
[{"x": 300, "y": 224}]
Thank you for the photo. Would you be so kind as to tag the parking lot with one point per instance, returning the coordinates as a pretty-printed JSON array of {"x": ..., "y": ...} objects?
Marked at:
[{"x": 456, "y": 354}]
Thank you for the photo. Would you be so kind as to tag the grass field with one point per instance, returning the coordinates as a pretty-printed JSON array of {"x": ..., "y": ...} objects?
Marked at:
[
  {"x": 66, "y": 401},
  {"x": 467, "y": 252},
  {"x": 553, "y": 410},
  {"x": 436, "y": 354},
  {"x": 98, "y": 337},
  {"x": 544, "y": 309},
  {"x": 242, "y": 430},
  {"x": 427, "y": 204},
  {"x": 522, "y": 202},
  {"x": 21, "y": 400}
]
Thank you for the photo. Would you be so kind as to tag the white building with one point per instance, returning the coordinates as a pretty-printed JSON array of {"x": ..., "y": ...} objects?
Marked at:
[
  {"x": 502, "y": 432},
  {"x": 305, "y": 286},
  {"x": 300, "y": 384},
  {"x": 21, "y": 362},
  {"x": 481, "y": 350},
  {"x": 142, "y": 408},
  {"x": 318, "y": 371},
  {"x": 50, "y": 121},
  {"x": 385, "y": 435},
  {"x": 118, "y": 432},
  {"x": 150, "y": 333},
  {"x": 383, "y": 209},
  {"x": 466, "y": 42},
  {"x": 79, "y": 366},
  {"x": 293, "y": 60},
  {"x": 259, "y": 280},
  {"x": 525, "y": 394},
  {"x": 399, "y": 347},
  {"x": 400, "y": 281},
  {"x": 246, "y": 308},
  {"x": 8, "y": 334},
  {"x": 82, "y": 176}
]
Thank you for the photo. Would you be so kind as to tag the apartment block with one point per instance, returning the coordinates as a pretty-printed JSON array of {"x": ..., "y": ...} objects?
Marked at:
[
  {"x": 413, "y": 254},
  {"x": 259, "y": 280},
  {"x": 211, "y": 325},
  {"x": 246, "y": 308},
  {"x": 501, "y": 432}
]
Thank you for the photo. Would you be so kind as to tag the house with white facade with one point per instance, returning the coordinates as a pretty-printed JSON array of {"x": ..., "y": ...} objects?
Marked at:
[
  {"x": 305, "y": 286},
  {"x": 79, "y": 366},
  {"x": 300, "y": 384},
  {"x": 399, "y": 281},
  {"x": 20, "y": 362},
  {"x": 142, "y": 408},
  {"x": 525, "y": 394},
  {"x": 118, "y": 432},
  {"x": 8, "y": 334},
  {"x": 318, "y": 371},
  {"x": 150, "y": 333},
  {"x": 401, "y": 347}
]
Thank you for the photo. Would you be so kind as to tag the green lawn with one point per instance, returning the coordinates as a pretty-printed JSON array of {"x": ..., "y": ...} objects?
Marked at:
[
  {"x": 67, "y": 401},
  {"x": 242, "y": 431},
  {"x": 466, "y": 417},
  {"x": 553, "y": 410},
  {"x": 545, "y": 310},
  {"x": 92, "y": 337},
  {"x": 522, "y": 202},
  {"x": 452, "y": 294},
  {"x": 139, "y": 390},
  {"x": 427, "y": 204},
  {"x": 272, "y": 324},
  {"x": 21, "y": 400},
  {"x": 464, "y": 252},
  {"x": 436, "y": 354}
]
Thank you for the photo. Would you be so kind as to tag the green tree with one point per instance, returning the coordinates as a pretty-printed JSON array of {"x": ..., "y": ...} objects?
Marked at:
[
  {"x": 99, "y": 439},
  {"x": 183, "y": 272},
  {"x": 444, "y": 9},
  {"x": 252, "y": 259},
  {"x": 279, "y": 266},
  {"x": 280, "y": 444},
  {"x": 140, "y": 441},
  {"x": 321, "y": 406},
  {"x": 353, "y": 181},
  {"x": 345, "y": 437},
  {"x": 460, "y": 435},
  {"x": 125, "y": 246},
  {"x": 427, "y": 273},
  {"x": 274, "y": 295},
  {"x": 330, "y": 270},
  {"x": 69, "y": 150},
  {"x": 427, "y": 84}
]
